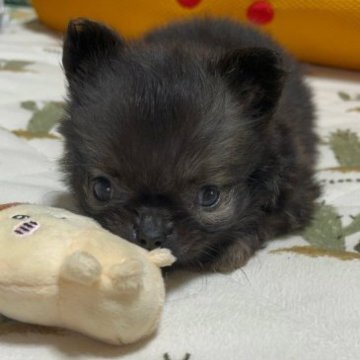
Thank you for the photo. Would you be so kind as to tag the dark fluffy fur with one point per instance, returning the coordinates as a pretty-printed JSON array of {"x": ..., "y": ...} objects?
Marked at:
[{"x": 203, "y": 102}]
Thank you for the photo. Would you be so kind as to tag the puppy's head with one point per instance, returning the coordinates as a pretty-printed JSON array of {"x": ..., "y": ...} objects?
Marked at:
[{"x": 161, "y": 146}]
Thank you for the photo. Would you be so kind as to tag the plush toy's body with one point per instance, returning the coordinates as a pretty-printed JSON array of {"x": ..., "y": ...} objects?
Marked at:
[{"x": 62, "y": 269}]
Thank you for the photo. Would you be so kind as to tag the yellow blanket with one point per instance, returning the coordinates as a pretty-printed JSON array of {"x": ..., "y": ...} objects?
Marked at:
[{"x": 319, "y": 31}]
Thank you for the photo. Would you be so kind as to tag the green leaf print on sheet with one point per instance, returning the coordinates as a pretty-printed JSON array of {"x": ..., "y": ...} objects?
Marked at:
[
  {"x": 355, "y": 109},
  {"x": 347, "y": 97},
  {"x": 14, "y": 65},
  {"x": 326, "y": 229},
  {"x": 29, "y": 105},
  {"x": 344, "y": 96},
  {"x": 353, "y": 227},
  {"x": 326, "y": 236},
  {"x": 43, "y": 119},
  {"x": 346, "y": 146}
]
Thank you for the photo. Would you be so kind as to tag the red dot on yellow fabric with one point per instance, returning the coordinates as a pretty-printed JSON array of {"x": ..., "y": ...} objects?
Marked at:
[
  {"x": 189, "y": 3},
  {"x": 260, "y": 12}
]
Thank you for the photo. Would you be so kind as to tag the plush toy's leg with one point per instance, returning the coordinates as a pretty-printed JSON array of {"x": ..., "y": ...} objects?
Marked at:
[
  {"x": 161, "y": 257},
  {"x": 81, "y": 267},
  {"x": 126, "y": 276}
]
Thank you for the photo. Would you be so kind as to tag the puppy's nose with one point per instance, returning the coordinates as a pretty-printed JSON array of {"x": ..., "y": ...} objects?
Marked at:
[{"x": 151, "y": 232}]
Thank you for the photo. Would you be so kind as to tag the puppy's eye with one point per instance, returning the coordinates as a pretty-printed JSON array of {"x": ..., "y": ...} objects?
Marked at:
[
  {"x": 102, "y": 189},
  {"x": 208, "y": 196}
]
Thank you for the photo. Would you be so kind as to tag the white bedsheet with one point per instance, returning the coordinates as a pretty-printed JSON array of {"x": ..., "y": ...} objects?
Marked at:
[{"x": 303, "y": 303}]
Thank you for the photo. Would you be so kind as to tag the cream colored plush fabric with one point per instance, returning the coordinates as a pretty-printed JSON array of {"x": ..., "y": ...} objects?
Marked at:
[{"x": 62, "y": 269}]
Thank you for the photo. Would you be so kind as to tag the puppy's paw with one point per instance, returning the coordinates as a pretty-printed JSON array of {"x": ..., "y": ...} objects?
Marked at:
[{"x": 235, "y": 257}]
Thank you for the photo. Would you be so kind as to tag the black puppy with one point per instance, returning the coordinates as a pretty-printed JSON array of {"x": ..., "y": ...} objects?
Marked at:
[{"x": 198, "y": 138}]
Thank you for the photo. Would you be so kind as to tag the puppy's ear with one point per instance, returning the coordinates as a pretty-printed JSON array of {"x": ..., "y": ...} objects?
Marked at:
[
  {"x": 256, "y": 78},
  {"x": 87, "y": 46}
]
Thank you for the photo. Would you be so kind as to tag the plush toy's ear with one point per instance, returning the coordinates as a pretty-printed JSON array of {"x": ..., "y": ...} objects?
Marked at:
[
  {"x": 127, "y": 276},
  {"x": 161, "y": 257},
  {"x": 256, "y": 78},
  {"x": 88, "y": 45},
  {"x": 81, "y": 267}
]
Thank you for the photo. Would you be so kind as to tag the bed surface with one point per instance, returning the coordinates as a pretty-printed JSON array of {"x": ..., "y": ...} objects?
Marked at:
[{"x": 299, "y": 298}]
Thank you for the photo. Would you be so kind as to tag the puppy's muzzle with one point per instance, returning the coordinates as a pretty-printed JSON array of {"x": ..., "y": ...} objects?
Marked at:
[{"x": 152, "y": 230}]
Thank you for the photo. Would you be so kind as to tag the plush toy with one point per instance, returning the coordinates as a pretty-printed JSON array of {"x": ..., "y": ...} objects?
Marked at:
[
  {"x": 61, "y": 269},
  {"x": 319, "y": 31}
]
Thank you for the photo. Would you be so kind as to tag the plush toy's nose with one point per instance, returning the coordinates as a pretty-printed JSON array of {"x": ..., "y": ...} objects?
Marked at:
[{"x": 152, "y": 231}]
